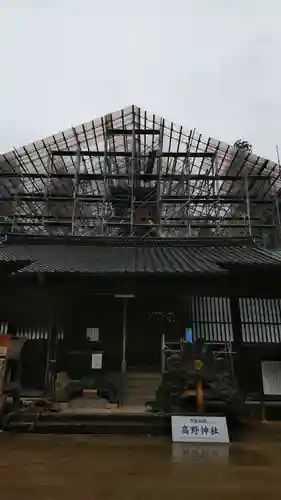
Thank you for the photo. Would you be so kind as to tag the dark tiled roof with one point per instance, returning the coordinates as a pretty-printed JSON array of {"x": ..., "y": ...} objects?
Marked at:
[
  {"x": 108, "y": 260},
  {"x": 254, "y": 255},
  {"x": 11, "y": 266},
  {"x": 100, "y": 256}
]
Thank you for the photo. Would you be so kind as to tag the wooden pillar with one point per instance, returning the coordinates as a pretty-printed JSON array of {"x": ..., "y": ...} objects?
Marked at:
[
  {"x": 124, "y": 337},
  {"x": 200, "y": 395},
  {"x": 238, "y": 347},
  {"x": 51, "y": 358},
  {"x": 51, "y": 361}
]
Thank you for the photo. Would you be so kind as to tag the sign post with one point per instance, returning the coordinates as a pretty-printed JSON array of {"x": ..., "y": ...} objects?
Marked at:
[{"x": 199, "y": 429}]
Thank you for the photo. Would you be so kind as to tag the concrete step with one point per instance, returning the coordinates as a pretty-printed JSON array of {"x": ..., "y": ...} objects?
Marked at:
[
  {"x": 135, "y": 397},
  {"x": 137, "y": 401},
  {"x": 136, "y": 385},
  {"x": 143, "y": 375},
  {"x": 140, "y": 387},
  {"x": 141, "y": 390},
  {"x": 140, "y": 393},
  {"x": 155, "y": 378},
  {"x": 82, "y": 402}
]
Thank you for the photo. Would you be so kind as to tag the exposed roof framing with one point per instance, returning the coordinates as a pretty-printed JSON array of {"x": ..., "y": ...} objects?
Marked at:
[{"x": 63, "y": 184}]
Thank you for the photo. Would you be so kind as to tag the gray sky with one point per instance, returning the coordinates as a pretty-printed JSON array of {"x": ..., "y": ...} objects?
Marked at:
[{"x": 209, "y": 64}]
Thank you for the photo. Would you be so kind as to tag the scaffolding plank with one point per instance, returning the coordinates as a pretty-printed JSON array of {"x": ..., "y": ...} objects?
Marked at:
[{"x": 138, "y": 131}]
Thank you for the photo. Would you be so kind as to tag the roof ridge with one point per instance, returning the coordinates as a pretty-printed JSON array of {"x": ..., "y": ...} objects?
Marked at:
[{"x": 24, "y": 239}]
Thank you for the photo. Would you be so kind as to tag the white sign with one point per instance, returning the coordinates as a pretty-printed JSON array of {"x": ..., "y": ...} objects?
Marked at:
[
  {"x": 97, "y": 361},
  {"x": 93, "y": 334},
  {"x": 271, "y": 378},
  {"x": 199, "y": 429}
]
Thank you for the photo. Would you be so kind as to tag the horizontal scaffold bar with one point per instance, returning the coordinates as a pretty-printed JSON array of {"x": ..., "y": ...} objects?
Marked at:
[
  {"x": 144, "y": 177},
  {"x": 128, "y": 154},
  {"x": 204, "y": 200},
  {"x": 165, "y": 225},
  {"x": 129, "y": 131},
  {"x": 34, "y": 217}
]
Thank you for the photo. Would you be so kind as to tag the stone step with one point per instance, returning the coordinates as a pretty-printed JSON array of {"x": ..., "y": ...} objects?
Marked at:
[
  {"x": 81, "y": 402},
  {"x": 136, "y": 385},
  {"x": 143, "y": 376},
  {"x": 135, "y": 401},
  {"x": 141, "y": 390},
  {"x": 131, "y": 386},
  {"x": 144, "y": 380}
]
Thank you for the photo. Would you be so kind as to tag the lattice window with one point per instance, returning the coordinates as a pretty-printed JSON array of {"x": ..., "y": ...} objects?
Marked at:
[{"x": 211, "y": 319}]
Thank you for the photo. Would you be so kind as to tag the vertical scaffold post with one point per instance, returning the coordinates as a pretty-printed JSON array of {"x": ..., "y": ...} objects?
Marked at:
[
  {"x": 277, "y": 206},
  {"x": 133, "y": 166},
  {"x": 49, "y": 170},
  {"x": 187, "y": 184},
  {"x": 215, "y": 173},
  {"x": 75, "y": 189},
  {"x": 14, "y": 217},
  {"x": 248, "y": 211},
  {"x": 188, "y": 172},
  {"x": 159, "y": 175},
  {"x": 277, "y": 221},
  {"x": 109, "y": 146},
  {"x": 14, "y": 211},
  {"x": 105, "y": 179}
]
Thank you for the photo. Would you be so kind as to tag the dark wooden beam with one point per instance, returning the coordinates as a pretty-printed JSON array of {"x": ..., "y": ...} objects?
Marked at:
[{"x": 165, "y": 154}]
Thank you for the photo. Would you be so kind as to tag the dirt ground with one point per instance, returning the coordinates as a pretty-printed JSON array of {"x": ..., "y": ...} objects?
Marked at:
[{"x": 87, "y": 467}]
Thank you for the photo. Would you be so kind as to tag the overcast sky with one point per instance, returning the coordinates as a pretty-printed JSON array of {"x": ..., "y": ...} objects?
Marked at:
[{"x": 209, "y": 64}]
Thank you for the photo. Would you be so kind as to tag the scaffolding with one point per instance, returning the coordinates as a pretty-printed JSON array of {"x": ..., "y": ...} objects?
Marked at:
[{"x": 134, "y": 174}]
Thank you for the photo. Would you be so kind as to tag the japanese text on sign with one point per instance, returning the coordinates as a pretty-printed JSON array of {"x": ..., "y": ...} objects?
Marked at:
[
  {"x": 201, "y": 429},
  {"x": 204, "y": 430}
]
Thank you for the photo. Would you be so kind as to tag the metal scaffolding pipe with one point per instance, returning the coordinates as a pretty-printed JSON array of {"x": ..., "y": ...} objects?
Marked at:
[
  {"x": 248, "y": 206},
  {"x": 194, "y": 191},
  {"x": 133, "y": 166},
  {"x": 145, "y": 177},
  {"x": 175, "y": 200},
  {"x": 166, "y": 154},
  {"x": 159, "y": 172},
  {"x": 105, "y": 177},
  {"x": 75, "y": 189}
]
